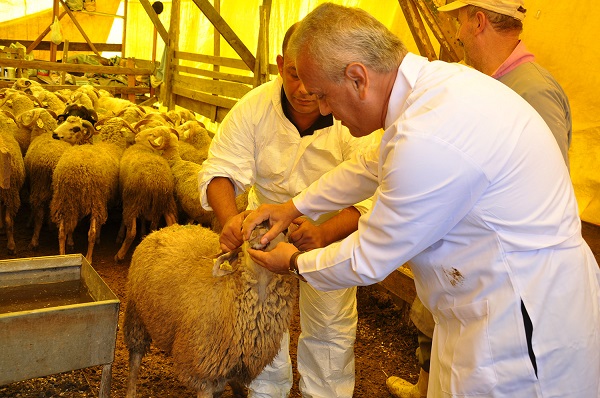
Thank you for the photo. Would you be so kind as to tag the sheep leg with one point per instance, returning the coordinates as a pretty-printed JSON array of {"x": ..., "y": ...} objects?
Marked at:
[
  {"x": 170, "y": 219},
  {"x": 10, "y": 233},
  {"x": 91, "y": 239},
  {"x": 38, "y": 221},
  {"x": 135, "y": 360},
  {"x": 2, "y": 213},
  {"x": 121, "y": 234},
  {"x": 62, "y": 237},
  {"x": 129, "y": 237}
]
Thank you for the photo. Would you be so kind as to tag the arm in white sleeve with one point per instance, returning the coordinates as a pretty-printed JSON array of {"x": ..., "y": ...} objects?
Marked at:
[
  {"x": 231, "y": 155},
  {"x": 349, "y": 184},
  {"x": 426, "y": 188}
]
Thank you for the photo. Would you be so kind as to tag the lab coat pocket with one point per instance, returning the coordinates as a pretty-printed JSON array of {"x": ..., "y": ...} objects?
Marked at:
[{"x": 466, "y": 362}]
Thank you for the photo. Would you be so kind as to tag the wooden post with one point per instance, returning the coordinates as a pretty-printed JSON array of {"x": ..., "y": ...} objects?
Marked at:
[
  {"x": 53, "y": 46},
  {"x": 124, "y": 40},
  {"x": 131, "y": 79},
  {"x": 63, "y": 74},
  {"x": 417, "y": 28},
  {"x": 171, "y": 62}
]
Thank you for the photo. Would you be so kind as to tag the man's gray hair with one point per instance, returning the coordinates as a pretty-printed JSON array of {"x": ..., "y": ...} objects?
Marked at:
[{"x": 335, "y": 36}]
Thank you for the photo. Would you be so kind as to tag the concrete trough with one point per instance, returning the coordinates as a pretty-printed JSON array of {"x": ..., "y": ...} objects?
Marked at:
[{"x": 56, "y": 315}]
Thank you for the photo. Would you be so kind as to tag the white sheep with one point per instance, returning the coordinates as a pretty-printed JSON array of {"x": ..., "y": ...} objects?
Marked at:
[
  {"x": 218, "y": 329},
  {"x": 40, "y": 160},
  {"x": 146, "y": 185},
  {"x": 48, "y": 99},
  {"x": 74, "y": 130},
  {"x": 194, "y": 141},
  {"x": 85, "y": 182},
  {"x": 12, "y": 177},
  {"x": 185, "y": 176}
]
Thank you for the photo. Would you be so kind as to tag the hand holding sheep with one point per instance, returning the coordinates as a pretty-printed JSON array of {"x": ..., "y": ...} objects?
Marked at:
[{"x": 279, "y": 217}]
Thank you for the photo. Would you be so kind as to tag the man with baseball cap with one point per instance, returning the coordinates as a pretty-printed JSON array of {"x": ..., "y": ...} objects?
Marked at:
[{"x": 489, "y": 32}]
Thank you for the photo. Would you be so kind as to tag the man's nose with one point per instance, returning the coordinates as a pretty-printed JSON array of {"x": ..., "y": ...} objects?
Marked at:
[{"x": 324, "y": 108}]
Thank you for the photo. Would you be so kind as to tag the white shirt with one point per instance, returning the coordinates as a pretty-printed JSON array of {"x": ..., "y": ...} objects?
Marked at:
[
  {"x": 258, "y": 146},
  {"x": 471, "y": 187}
]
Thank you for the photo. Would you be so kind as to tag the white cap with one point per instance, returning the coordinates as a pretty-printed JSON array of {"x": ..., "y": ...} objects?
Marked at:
[{"x": 512, "y": 8}]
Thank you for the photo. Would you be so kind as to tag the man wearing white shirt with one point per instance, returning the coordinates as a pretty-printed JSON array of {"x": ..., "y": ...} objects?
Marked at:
[{"x": 470, "y": 186}]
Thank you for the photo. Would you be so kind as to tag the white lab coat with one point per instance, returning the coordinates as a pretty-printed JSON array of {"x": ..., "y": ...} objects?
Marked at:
[
  {"x": 257, "y": 147},
  {"x": 471, "y": 187}
]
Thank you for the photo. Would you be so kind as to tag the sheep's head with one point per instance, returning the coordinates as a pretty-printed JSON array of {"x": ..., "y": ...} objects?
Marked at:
[
  {"x": 230, "y": 262},
  {"x": 74, "y": 131},
  {"x": 157, "y": 138}
]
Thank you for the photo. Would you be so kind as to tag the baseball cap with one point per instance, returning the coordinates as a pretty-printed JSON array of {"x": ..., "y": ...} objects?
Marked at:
[{"x": 512, "y": 8}]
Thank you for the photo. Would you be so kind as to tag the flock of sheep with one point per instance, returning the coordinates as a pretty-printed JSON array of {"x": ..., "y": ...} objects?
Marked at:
[{"x": 83, "y": 153}]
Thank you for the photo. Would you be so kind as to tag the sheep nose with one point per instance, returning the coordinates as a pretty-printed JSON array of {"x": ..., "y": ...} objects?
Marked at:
[{"x": 55, "y": 136}]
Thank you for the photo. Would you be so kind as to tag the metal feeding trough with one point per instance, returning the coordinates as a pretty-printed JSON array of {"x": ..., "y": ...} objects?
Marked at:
[{"x": 56, "y": 315}]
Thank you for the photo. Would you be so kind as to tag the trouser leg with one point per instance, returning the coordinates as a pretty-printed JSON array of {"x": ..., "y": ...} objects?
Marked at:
[
  {"x": 326, "y": 344},
  {"x": 275, "y": 381}
]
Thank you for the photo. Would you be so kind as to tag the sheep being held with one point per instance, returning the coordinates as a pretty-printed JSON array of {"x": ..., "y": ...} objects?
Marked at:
[{"x": 219, "y": 326}]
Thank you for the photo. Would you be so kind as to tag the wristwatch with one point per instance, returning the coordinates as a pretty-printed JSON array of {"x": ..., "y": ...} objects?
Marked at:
[{"x": 293, "y": 268}]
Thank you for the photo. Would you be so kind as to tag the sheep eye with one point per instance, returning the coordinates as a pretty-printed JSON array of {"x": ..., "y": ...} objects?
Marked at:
[{"x": 76, "y": 129}]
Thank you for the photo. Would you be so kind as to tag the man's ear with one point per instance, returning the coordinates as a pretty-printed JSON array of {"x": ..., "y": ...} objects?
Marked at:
[
  {"x": 482, "y": 21},
  {"x": 280, "y": 64},
  {"x": 357, "y": 74}
]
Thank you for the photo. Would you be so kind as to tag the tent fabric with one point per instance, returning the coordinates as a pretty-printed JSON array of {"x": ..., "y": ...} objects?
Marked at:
[{"x": 561, "y": 34}]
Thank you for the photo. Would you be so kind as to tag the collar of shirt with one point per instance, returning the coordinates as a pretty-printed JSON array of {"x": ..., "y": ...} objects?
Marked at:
[
  {"x": 519, "y": 56},
  {"x": 405, "y": 81},
  {"x": 321, "y": 123}
]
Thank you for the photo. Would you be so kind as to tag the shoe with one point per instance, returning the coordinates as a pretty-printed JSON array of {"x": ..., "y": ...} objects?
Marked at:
[{"x": 401, "y": 388}]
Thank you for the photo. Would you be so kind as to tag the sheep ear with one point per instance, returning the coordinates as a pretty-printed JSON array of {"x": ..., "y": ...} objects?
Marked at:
[{"x": 227, "y": 263}]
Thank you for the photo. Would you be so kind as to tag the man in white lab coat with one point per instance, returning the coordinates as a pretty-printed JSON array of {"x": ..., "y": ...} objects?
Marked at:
[{"x": 470, "y": 186}]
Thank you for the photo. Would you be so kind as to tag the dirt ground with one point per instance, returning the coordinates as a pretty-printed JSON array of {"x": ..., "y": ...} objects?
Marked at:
[{"x": 385, "y": 341}]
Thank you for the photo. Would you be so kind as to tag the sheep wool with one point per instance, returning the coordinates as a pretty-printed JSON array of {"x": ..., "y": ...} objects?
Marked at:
[{"x": 218, "y": 329}]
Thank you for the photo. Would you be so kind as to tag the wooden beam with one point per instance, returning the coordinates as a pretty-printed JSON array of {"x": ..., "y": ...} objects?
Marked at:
[
  {"x": 82, "y": 68},
  {"x": 417, "y": 28},
  {"x": 45, "y": 46},
  {"x": 111, "y": 89},
  {"x": 172, "y": 45},
  {"x": 400, "y": 284},
  {"x": 160, "y": 28},
  {"x": 218, "y": 87},
  {"x": 215, "y": 75},
  {"x": 85, "y": 36},
  {"x": 227, "y": 33},
  {"x": 442, "y": 27}
]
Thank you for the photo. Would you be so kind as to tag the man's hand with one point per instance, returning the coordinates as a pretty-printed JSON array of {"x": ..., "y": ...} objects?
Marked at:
[
  {"x": 276, "y": 260},
  {"x": 305, "y": 235},
  {"x": 279, "y": 216},
  {"x": 231, "y": 236}
]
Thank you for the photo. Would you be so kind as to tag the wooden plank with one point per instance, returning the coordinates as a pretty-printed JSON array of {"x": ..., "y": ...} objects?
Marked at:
[
  {"x": 400, "y": 284},
  {"x": 227, "y": 33},
  {"x": 417, "y": 28},
  {"x": 443, "y": 28},
  {"x": 45, "y": 45},
  {"x": 221, "y": 61},
  {"x": 207, "y": 110},
  {"x": 115, "y": 90},
  {"x": 154, "y": 18},
  {"x": 218, "y": 87},
  {"x": 83, "y": 68},
  {"x": 203, "y": 97},
  {"x": 215, "y": 75},
  {"x": 211, "y": 59}
]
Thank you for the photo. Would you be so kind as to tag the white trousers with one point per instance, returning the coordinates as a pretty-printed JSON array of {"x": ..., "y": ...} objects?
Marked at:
[{"x": 325, "y": 349}]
